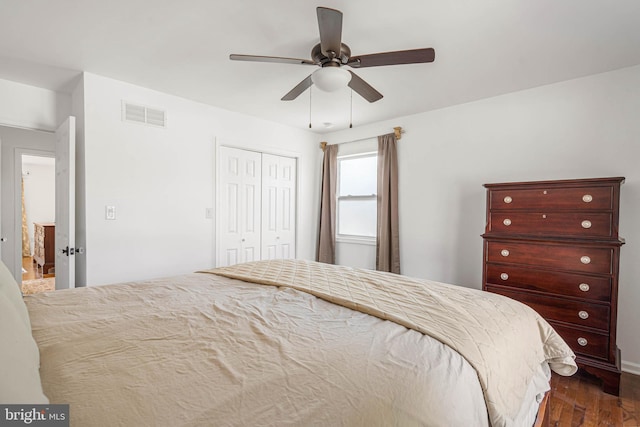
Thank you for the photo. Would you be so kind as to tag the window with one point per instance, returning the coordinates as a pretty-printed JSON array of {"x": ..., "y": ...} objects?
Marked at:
[{"x": 357, "y": 199}]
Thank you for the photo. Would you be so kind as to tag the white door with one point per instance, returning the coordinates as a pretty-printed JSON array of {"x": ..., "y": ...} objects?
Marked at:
[
  {"x": 278, "y": 207},
  {"x": 65, "y": 204},
  {"x": 239, "y": 204}
]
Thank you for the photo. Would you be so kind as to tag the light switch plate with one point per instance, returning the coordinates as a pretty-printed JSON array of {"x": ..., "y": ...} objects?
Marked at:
[
  {"x": 208, "y": 213},
  {"x": 110, "y": 212}
]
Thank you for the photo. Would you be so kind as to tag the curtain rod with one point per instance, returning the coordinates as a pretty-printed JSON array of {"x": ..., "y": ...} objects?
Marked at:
[{"x": 397, "y": 130}]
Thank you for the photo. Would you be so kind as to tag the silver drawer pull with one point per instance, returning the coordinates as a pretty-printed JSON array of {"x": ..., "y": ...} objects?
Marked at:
[
  {"x": 504, "y": 276},
  {"x": 507, "y": 222},
  {"x": 587, "y": 198},
  {"x": 507, "y": 199},
  {"x": 586, "y": 224},
  {"x": 583, "y": 315},
  {"x": 584, "y": 287},
  {"x": 583, "y": 341},
  {"x": 585, "y": 260},
  {"x": 504, "y": 252}
]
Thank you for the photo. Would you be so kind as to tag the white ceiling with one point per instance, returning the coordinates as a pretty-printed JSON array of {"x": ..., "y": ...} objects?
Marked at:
[{"x": 483, "y": 49}]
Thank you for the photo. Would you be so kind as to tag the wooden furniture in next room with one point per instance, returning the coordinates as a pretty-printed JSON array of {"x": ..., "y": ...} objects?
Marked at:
[
  {"x": 44, "y": 246},
  {"x": 554, "y": 246}
]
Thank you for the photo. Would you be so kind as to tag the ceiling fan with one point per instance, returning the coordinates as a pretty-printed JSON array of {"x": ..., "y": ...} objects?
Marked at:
[{"x": 331, "y": 55}]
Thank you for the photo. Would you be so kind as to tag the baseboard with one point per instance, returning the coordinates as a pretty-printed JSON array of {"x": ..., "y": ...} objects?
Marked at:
[{"x": 632, "y": 368}]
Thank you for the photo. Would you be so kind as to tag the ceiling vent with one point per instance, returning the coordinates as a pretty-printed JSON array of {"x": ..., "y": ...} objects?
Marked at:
[{"x": 145, "y": 115}]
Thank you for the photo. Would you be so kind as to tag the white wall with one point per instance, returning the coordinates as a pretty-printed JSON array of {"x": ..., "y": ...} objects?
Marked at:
[
  {"x": 77, "y": 110},
  {"x": 39, "y": 194},
  {"x": 32, "y": 107},
  {"x": 162, "y": 180},
  {"x": 356, "y": 254},
  {"x": 582, "y": 128}
]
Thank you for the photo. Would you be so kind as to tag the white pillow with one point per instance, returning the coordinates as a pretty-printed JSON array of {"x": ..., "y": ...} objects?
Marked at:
[
  {"x": 11, "y": 290},
  {"x": 19, "y": 359}
]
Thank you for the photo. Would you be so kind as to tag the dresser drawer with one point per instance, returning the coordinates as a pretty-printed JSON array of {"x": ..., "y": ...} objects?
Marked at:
[
  {"x": 574, "y": 224},
  {"x": 584, "y": 342},
  {"x": 577, "y": 198},
  {"x": 584, "y": 259},
  {"x": 593, "y": 288},
  {"x": 575, "y": 312}
]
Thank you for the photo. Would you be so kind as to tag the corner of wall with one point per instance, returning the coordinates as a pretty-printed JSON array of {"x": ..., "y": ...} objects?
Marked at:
[{"x": 77, "y": 109}]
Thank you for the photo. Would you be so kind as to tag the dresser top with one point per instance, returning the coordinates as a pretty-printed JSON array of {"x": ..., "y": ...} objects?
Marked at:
[{"x": 563, "y": 182}]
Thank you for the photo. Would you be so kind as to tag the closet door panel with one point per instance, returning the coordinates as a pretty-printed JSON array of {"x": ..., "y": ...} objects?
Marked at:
[
  {"x": 239, "y": 212},
  {"x": 278, "y": 207}
]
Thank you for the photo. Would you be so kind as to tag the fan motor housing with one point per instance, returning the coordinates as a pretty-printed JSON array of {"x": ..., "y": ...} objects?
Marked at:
[{"x": 341, "y": 57}]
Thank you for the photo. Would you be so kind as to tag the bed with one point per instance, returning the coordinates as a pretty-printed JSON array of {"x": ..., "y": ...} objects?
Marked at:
[{"x": 285, "y": 343}]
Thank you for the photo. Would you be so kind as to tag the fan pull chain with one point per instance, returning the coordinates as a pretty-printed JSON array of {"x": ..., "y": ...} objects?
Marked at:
[
  {"x": 310, "y": 90},
  {"x": 351, "y": 111}
]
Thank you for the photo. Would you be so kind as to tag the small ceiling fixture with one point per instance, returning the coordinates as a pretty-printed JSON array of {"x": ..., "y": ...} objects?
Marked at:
[{"x": 330, "y": 79}]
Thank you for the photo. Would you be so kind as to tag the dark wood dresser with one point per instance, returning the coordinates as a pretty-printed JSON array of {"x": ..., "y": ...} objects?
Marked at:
[
  {"x": 44, "y": 246},
  {"x": 554, "y": 246}
]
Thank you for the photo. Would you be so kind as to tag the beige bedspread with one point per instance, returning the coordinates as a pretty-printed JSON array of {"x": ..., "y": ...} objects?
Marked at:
[
  {"x": 504, "y": 340},
  {"x": 206, "y": 350}
]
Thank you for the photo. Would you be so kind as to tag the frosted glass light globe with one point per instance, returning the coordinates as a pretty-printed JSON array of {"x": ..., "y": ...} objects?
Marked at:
[{"x": 330, "y": 79}]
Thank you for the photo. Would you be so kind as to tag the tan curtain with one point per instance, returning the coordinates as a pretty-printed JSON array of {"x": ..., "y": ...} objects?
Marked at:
[
  {"x": 327, "y": 230},
  {"x": 388, "y": 236},
  {"x": 26, "y": 244}
]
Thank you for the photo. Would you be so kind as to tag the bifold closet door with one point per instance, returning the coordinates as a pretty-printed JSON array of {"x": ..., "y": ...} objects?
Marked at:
[
  {"x": 239, "y": 207},
  {"x": 256, "y": 206},
  {"x": 278, "y": 207}
]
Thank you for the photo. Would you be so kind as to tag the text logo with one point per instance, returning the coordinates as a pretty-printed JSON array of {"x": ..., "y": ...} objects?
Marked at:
[{"x": 34, "y": 415}]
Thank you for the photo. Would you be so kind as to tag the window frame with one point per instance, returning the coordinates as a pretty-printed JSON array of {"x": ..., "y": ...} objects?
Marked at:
[{"x": 353, "y": 238}]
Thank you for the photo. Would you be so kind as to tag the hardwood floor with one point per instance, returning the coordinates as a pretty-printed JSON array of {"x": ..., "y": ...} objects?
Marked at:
[
  {"x": 32, "y": 272},
  {"x": 579, "y": 401}
]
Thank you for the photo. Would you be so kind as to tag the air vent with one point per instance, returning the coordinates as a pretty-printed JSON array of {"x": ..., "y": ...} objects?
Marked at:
[
  {"x": 155, "y": 117},
  {"x": 141, "y": 114}
]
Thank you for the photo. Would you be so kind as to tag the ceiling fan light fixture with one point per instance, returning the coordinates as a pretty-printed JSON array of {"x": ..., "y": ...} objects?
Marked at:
[
  {"x": 330, "y": 79},
  {"x": 331, "y": 54}
]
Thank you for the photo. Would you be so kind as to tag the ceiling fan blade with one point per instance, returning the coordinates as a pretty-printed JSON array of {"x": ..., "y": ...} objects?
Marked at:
[
  {"x": 278, "y": 59},
  {"x": 414, "y": 56},
  {"x": 364, "y": 89},
  {"x": 296, "y": 91},
  {"x": 330, "y": 25}
]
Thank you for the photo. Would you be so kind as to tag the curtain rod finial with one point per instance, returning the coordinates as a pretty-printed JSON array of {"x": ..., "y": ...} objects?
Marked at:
[
  {"x": 398, "y": 131},
  {"x": 323, "y": 145}
]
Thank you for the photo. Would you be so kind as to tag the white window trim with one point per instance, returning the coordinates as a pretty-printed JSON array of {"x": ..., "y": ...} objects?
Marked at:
[
  {"x": 357, "y": 240},
  {"x": 349, "y": 238}
]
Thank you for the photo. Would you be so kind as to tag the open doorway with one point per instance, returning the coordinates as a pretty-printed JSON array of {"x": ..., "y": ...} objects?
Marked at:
[
  {"x": 38, "y": 223},
  {"x": 15, "y": 142}
]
